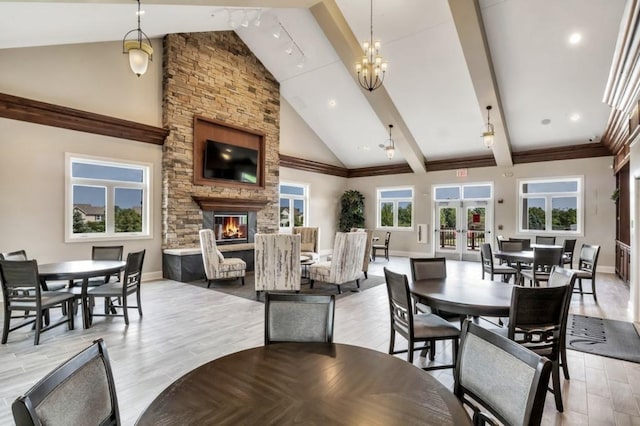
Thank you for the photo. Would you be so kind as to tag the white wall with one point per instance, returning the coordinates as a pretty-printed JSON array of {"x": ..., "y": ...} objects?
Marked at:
[
  {"x": 634, "y": 188},
  {"x": 90, "y": 77},
  {"x": 599, "y": 183}
]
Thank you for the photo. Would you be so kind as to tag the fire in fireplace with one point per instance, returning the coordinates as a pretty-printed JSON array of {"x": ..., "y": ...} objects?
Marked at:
[{"x": 230, "y": 227}]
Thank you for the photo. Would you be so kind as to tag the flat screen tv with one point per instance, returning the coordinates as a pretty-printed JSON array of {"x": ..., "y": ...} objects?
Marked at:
[{"x": 230, "y": 162}]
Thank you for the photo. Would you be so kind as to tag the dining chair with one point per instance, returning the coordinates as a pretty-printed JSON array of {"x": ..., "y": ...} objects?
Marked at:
[
  {"x": 544, "y": 258},
  {"x": 538, "y": 319},
  {"x": 587, "y": 263},
  {"x": 509, "y": 245},
  {"x": 547, "y": 240},
  {"x": 499, "y": 379},
  {"x": 416, "y": 328},
  {"x": 526, "y": 242},
  {"x": 22, "y": 292},
  {"x": 384, "y": 247},
  {"x": 277, "y": 262},
  {"x": 22, "y": 255},
  {"x": 561, "y": 276},
  {"x": 568, "y": 247},
  {"x": 345, "y": 265},
  {"x": 488, "y": 266},
  {"x": 295, "y": 317},
  {"x": 81, "y": 391},
  {"x": 216, "y": 266},
  {"x": 129, "y": 284}
]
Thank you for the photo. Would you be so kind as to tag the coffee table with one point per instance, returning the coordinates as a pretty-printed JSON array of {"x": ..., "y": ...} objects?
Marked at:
[{"x": 305, "y": 262}]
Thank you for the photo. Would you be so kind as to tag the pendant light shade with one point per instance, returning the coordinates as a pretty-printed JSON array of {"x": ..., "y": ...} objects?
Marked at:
[
  {"x": 138, "y": 46},
  {"x": 487, "y": 136}
]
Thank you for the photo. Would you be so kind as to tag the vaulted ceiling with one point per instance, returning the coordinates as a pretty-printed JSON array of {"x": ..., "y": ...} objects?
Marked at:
[{"x": 448, "y": 60}]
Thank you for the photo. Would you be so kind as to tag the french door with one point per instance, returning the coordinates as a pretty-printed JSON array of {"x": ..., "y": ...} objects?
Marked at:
[{"x": 461, "y": 228}]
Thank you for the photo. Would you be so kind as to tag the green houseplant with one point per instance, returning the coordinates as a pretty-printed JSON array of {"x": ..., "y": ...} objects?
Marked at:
[{"x": 351, "y": 210}]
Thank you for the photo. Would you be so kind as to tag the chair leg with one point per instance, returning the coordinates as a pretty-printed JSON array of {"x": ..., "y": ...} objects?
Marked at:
[
  {"x": 5, "y": 329},
  {"x": 392, "y": 341},
  {"x": 257, "y": 294},
  {"x": 557, "y": 393},
  {"x": 70, "y": 316},
  {"x": 242, "y": 280},
  {"x": 365, "y": 275},
  {"x": 410, "y": 351},
  {"x": 208, "y": 283},
  {"x": 38, "y": 324},
  {"x": 339, "y": 289},
  {"x": 432, "y": 350},
  {"x": 138, "y": 298},
  {"x": 358, "y": 282},
  {"x": 593, "y": 287},
  {"x": 125, "y": 310},
  {"x": 311, "y": 283},
  {"x": 563, "y": 360}
]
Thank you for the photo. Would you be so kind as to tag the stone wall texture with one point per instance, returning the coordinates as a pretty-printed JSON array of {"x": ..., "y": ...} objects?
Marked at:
[{"x": 213, "y": 75}]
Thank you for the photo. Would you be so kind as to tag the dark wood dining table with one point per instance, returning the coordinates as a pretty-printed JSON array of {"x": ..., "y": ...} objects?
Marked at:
[
  {"x": 517, "y": 258},
  {"x": 79, "y": 270},
  {"x": 463, "y": 296},
  {"x": 306, "y": 383}
]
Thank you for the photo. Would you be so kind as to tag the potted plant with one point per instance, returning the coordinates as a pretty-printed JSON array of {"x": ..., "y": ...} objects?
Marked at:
[
  {"x": 351, "y": 210},
  {"x": 615, "y": 195}
]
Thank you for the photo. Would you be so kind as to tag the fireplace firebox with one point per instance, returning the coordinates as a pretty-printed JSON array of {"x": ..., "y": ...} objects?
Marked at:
[{"x": 231, "y": 227}]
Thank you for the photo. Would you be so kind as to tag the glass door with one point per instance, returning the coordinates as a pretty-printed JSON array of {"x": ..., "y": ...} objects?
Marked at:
[
  {"x": 476, "y": 230},
  {"x": 447, "y": 231}
]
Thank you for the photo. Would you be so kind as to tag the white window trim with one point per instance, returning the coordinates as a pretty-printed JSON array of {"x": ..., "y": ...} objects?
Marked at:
[
  {"x": 305, "y": 198},
  {"x": 395, "y": 201},
  {"x": 579, "y": 232},
  {"x": 147, "y": 193},
  {"x": 461, "y": 188}
]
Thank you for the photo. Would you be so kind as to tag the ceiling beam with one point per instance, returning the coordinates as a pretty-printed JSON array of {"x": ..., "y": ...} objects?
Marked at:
[
  {"x": 467, "y": 18},
  {"x": 220, "y": 3},
  {"x": 339, "y": 34}
]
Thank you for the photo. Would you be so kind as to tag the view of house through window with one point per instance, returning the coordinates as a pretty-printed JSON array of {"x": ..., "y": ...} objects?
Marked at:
[
  {"x": 553, "y": 205},
  {"x": 395, "y": 208},
  {"x": 293, "y": 204},
  {"x": 106, "y": 198}
]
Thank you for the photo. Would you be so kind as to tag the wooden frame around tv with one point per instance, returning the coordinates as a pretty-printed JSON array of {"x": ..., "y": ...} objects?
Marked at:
[{"x": 208, "y": 129}]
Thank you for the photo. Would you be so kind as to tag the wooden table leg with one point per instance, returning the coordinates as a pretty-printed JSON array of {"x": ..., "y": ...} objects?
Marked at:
[{"x": 86, "y": 321}]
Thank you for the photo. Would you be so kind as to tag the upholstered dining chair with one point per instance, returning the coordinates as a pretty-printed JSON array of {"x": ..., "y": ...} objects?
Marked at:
[
  {"x": 277, "y": 262},
  {"x": 345, "y": 265},
  {"x": 22, "y": 292},
  {"x": 568, "y": 247},
  {"x": 424, "y": 268},
  {"x": 547, "y": 240},
  {"x": 309, "y": 241},
  {"x": 526, "y": 242},
  {"x": 587, "y": 264},
  {"x": 415, "y": 327},
  {"x": 22, "y": 255},
  {"x": 81, "y": 391},
  {"x": 544, "y": 259},
  {"x": 294, "y": 317},
  {"x": 216, "y": 266},
  {"x": 129, "y": 284},
  {"x": 367, "y": 251},
  {"x": 538, "y": 321},
  {"x": 384, "y": 247},
  {"x": 504, "y": 380},
  {"x": 488, "y": 266}
]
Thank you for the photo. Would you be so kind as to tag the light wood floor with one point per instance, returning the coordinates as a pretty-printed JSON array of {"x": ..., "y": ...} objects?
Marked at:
[{"x": 185, "y": 326}]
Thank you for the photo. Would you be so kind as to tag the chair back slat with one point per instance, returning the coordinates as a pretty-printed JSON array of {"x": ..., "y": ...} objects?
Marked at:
[
  {"x": 548, "y": 240},
  {"x": 526, "y": 242},
  {"x": 546, "y": 257},
  {"x": 14, "y": 255},
  {"x": 107, "y": 252},
  {"x": 133, "y": 270},
  {"x": 428, "y": 268},
  {"x": 399, "y": 300},
  {"x": 19, "y": 275},
  {"x": 589, "y": 258},
  {"x": 511, "y": 245}
]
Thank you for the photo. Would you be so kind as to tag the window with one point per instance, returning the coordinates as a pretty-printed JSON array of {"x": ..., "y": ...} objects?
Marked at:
[
  {"x": 551, "y": 206},
  {"x": 395, "y": 208},
  {"x": 293, "y": 205},
  {"x": 106, "y": 199}
]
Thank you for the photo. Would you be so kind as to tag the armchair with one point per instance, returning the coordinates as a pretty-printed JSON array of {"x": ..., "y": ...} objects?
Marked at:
[
  {"x": 367, "y": 250},
  {"x": 216, "y": 267},
  {"x": 277, "y": 262},
  {"x": 309, "y": 241},
  {"x": 346, "y": 263}
]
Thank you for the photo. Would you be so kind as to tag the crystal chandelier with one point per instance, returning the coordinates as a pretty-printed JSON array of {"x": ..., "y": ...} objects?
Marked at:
[{"x": 372, "y": 69}]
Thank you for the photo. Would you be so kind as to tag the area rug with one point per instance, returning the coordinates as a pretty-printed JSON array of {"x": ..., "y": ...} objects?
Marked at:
[
  {"x": 598, "y": 336},
  {"x": 247, "y": 291}
]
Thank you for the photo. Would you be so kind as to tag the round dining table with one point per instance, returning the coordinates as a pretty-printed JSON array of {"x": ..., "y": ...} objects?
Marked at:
[
  {"x": 464, "y": 296},
  {"x": 306, "y": 383},
  {"x": 79, "y": 270}
]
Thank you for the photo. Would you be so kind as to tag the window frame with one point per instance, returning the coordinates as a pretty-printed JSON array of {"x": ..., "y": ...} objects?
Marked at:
[
  {"x": 548, "y": 197},
  {"x": 305, "y": 199},
  {"x": 395, "y": 201},
  {"x": 110, "y": 186}
]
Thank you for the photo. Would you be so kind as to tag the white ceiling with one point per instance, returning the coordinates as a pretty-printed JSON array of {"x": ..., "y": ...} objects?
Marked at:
[{"x": 439, "y": 95}]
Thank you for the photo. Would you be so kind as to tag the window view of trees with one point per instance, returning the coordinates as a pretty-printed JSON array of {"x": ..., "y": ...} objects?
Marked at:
[
  {"x": 551, "y": 205},
  {"x": 395, "y": 208},
  {"x": 292, "y": 205}
]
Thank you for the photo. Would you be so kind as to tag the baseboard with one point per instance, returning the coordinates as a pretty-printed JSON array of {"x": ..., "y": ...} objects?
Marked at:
[{"x": 152, "y": 276}]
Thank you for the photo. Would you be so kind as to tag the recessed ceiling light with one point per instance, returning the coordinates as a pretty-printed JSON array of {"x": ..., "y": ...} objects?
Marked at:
[
  {"x": 575, "y": 38},
  {"x": 332, "y": 103},
  {"x": 364, "y": 147},
  {"x": 574, "y": 117}
]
